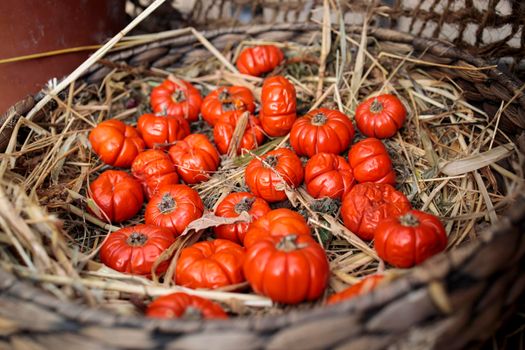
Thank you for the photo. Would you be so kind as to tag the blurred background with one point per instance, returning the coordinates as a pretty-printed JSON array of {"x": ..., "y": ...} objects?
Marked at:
[{"x": 31, "y": 27}]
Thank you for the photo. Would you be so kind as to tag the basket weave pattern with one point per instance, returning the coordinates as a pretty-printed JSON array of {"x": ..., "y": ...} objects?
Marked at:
[
  {"x": 490, "y": 29},
  {"x": 453, "y": 301}
]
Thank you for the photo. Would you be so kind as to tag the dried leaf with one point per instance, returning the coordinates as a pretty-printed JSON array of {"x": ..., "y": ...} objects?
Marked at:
[
  {"x": 475, "y": 162},
  {"x": 292, "y": 195},
  {"x": 211, "y": 220}
]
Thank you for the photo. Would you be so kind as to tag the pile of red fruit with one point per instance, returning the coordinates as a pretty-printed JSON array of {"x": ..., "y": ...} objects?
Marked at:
[{"x": 276, "y": 252}]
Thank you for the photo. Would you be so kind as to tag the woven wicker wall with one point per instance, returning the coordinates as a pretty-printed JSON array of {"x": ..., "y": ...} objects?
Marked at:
[{"x": 491, "y": 28}]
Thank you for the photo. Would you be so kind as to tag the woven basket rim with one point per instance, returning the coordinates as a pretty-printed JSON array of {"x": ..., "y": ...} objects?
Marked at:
[{"x": 412, "y": 279}]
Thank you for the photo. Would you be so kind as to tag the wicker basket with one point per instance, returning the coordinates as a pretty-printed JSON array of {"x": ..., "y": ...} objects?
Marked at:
[{"x": 455, "y": 300}]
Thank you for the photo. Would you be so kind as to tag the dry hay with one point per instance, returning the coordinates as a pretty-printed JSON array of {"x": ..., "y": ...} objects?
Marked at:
[{"x": 450, "y": 158}]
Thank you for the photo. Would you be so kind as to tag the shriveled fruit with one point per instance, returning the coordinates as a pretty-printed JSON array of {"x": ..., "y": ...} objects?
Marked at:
[
  {"x": 223, "y": 132},
  {"x": 278, "y": 106},
  {"x": 328, "y": 175},
  {"x": 276, "y": 223},
  {"x": 159, "y": 131},
  {"x": 370, "y": 162},
  {"x": 195, "y": 158},
  {"x": 154, "y": 169},
  {"x": 225, "y": 101},
  {"x": 367, "y": 204}
]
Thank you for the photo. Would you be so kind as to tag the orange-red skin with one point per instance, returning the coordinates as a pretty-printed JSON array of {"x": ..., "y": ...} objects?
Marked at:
[
  {"x": 223, "y": 131},
  {"x": 188, "y": 207},
  {"x": 328, "y": 175},
  {"x": 370, "y": 162},
  {"x": 195, "y": 158},
  {"x": 117, "y": 253},
  {"x": 117, "y": 194},
  {"x": 232, "y": 206},
  {"x": 210, "y": 264},
  {"x": 264, "y": 181},
  {"x": 367, "y": 204},
  {"x": 285, "y": 276},
  {"x": 154, "y": 169},
  {"x": 278, "y": 106},
  {"x": 164, "y": 97},
  {"x": 258, "y": 60},
  {"x": 159, "y": 131},
  {"x": 334, "y": 135},
  {"x": 116, "y": 143},
  {"x": 405, "y": 246},
  {"x": 367, "y": 284},
  {"x": 175, "y": 305},
  {"x": 383, "y": 123},
  {"x": 276, "y": 223},
  {"x": 225, "y": 101}
]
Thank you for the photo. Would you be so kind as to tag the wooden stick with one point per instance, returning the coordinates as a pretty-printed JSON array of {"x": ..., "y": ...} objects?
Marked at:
[
  {"x": 148, "y": 290},
  {"x": 214, "y": 51}
]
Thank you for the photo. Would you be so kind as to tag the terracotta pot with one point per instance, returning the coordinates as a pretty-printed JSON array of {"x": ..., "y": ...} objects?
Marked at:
[{"x": 28, "y": 27}]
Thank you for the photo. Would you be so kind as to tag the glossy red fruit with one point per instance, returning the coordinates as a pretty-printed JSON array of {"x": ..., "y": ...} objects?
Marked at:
[
  {"x": 210, "y": 264},
  {"x": 258, "y": 60},
  {"x": 278, "y": 106},
  {"x": 223, "y": 131},
  {"x": 370, "y": 162},
  {"x": 154, "y": 169},
  {"x": 195, "y": 158},
  {"x": 176, "y": 98},
  {"x": 364, "y": 286},
  {"x": 186, "y": 307},
  {"x": 135, "y": 249},
  {"x": 328, "y": 175},
  {"x": 380, "y": 116},
  {"x": 116, "y": 143},
  {"x": 159, "y": 131},
  {"x": 174, "y": 207},
  {"x": 234, "y": 205},
  {"x": 117, "y": 194},
  {"x": 265, "y": 175},
  {"x": 367, "y": 204},
  {"x": 410, "y": 239},
  {"x": 276, "y": 223},
  {"x": 225, "y": 101},
  {"x": 289, "y": 269},
  {"x": 321, "y": 130}
]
